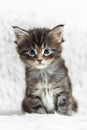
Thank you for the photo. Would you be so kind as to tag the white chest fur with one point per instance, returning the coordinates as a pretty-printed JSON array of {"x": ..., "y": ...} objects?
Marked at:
[
  {"x": 48, "y": 99},
  {"x": 46, "y": 93}
]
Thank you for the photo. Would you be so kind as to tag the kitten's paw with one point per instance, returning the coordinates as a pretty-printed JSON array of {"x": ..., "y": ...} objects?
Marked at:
[
  {"x": 63, "y": 105},
  {"x": 41, "y": 110},
  {"x": 64, "y": 111},
  {"x": 62, "y": 101}
]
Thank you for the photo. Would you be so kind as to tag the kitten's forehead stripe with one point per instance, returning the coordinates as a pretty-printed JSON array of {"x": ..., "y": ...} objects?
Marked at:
[
  {"x": 42, "y": 37},
  {"x": 35, "y": 37},
  {"x": 39, "y": 35}
]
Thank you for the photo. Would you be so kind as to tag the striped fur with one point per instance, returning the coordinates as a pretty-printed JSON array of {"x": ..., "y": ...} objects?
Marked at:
[{"x": 48, "y": 86}]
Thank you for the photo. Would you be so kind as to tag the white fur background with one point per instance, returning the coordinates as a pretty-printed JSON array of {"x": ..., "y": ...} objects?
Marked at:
[{"x": 42, "y": 13}]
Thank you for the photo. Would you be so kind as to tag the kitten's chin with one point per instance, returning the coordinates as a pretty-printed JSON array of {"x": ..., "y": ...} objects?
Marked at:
[{"x": 40, "y": 66}]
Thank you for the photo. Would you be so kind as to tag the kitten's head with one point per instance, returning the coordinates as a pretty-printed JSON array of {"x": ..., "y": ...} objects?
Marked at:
[{"x": 40, "y": 47}]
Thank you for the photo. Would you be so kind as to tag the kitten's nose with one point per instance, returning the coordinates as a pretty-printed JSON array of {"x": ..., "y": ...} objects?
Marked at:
[{"x": 39, "y": 60}]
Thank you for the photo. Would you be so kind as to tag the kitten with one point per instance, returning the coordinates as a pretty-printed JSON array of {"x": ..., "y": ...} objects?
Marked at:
[{"x": 48, "y": 86}]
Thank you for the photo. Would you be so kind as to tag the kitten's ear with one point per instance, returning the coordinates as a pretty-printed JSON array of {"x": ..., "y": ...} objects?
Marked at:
[
  {"x": 19, "y": 33},
  {"x": 57, "y": 33}
]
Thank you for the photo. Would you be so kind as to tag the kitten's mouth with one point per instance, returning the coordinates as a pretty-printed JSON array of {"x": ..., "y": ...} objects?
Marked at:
[
  {"x": 40, "y": 66},
  {"x": 40, "y": 63}
]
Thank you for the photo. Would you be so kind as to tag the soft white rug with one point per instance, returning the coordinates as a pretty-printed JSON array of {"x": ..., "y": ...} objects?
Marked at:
[{"x": 44, "y": 13}]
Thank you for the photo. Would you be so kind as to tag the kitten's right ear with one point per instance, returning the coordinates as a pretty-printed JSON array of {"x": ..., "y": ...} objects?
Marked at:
[{"x": 20, "y": 34}]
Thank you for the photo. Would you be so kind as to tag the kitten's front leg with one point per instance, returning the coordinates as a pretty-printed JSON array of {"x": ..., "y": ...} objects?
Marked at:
[
  {"x": 63, "y": 104},
  {"x": 32, "y": 104}
]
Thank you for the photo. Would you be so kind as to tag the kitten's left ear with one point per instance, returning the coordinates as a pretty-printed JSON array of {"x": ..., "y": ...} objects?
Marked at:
[
  {"x": 57, "y": 33},
  {"x": 19, "y": 33}
]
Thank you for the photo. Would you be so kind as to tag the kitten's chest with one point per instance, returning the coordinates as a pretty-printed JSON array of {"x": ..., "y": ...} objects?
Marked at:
[
  {"x": 45, "y": 91},
  {"x": 46, "y": 88}
]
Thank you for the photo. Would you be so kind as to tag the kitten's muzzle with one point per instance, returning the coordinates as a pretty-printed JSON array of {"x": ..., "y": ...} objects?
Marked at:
[{"x": 39, "y": 60}]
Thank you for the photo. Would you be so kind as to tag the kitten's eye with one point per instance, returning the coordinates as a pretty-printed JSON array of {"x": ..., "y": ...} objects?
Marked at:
[
  {"x": 47, "y": 52},
  {"x": 32, "y": 53}
]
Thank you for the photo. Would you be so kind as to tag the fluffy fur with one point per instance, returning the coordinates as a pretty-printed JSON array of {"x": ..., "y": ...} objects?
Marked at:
[{"x": 48, "y": 84}]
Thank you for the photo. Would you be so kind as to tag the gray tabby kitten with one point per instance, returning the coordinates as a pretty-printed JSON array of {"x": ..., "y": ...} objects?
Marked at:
[{"x": 48, "y": 86}]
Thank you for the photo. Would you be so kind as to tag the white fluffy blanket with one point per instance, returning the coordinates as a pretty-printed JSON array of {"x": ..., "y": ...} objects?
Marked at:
[{"x": 44, "y": 13}]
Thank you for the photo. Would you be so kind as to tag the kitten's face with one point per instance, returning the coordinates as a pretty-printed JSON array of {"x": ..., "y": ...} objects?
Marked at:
[{"x": 38, "y": 48}]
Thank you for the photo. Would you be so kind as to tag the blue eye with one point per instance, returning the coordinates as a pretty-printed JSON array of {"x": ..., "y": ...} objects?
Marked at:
[
  {"x": 47, "y": 51},
  {"x": 32, "y": 52}
]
